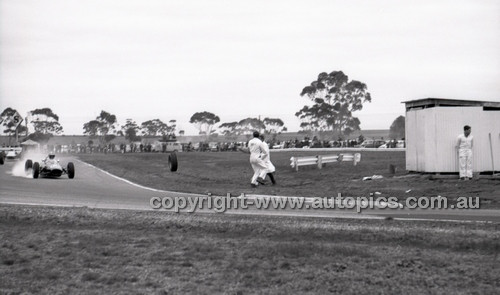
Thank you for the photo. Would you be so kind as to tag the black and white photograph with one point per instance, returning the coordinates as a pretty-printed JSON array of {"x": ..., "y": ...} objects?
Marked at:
[{"x": 249, "y": 147}]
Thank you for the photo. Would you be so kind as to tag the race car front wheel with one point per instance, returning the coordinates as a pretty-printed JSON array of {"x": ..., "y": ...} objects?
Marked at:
[
  {"x": 36, "y": 170},
  {"x": 28, "y": 165},
  {"x": 71, "y": 170}
]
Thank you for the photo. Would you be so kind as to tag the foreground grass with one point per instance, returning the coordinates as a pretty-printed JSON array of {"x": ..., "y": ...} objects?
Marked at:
[
  {"x": 230, "y": 172},
  {"x": 79, "y": 250}
]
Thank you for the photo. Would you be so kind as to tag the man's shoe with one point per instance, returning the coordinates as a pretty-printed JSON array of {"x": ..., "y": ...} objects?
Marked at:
[
  {"x": 253, "y": 185},
  {"x": 271, "y": 176},
  {"x": 261, "y": 181}
]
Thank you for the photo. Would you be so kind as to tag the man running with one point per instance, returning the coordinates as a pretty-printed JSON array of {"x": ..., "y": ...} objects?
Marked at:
[
  {"x": 257, "y": 151},
  {"x": 267, "y": 160}
]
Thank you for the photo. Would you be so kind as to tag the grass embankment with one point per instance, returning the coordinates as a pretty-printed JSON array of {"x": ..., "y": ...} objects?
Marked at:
[
  {"x": 58, "y": 250},
  {"x": 230, "y": 172}
]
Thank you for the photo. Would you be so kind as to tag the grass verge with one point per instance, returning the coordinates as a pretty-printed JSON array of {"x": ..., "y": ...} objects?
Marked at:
[
  {"x": 230, "y": 172},
  {"x": 79, "y": 250}
]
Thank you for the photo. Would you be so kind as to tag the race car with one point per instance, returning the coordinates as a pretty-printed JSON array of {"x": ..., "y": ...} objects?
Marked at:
[
  {"x": 50, "y": 167},
  {"x": 12, "y": 154},
  {"x": 9, "y": 153}
]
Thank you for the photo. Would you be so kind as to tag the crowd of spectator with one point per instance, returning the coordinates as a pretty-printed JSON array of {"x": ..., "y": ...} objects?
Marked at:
[{"x": 140, "y": 147}]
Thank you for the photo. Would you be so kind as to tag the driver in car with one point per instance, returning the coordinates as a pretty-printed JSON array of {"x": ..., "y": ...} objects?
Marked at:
[{"x": 51, "y": 159}]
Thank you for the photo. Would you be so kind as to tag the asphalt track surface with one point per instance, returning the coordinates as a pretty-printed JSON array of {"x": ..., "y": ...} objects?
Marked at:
[{"x": 95, "y": 188}]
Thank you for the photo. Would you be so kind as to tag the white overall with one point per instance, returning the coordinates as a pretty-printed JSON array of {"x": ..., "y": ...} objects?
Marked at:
[
  {"x": 465, "y": 155},
  {"x": 257, "y": 151}
]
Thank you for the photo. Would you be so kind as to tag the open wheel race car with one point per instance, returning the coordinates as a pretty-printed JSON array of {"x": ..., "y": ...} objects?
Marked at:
[
  {"x": 50, "y": 167},
  {"x": 13, "y": 154},
  {"x": 10, "y": 154}
]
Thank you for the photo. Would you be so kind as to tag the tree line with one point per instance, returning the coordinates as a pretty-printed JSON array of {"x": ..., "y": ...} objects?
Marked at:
[{"x": 333, "y": 100}]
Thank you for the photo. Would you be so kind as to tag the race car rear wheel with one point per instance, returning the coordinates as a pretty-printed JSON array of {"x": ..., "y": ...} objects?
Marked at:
[
  {"x": 28, "y": 165},
  {"x": 36, "y": 170},
  {"x": 71, "y": 170},
  {"x": 172, "y": 162}
]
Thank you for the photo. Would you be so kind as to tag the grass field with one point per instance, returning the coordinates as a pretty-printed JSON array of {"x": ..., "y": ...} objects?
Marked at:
[
  {"x": 230, "y": 172},
  {"x": 79, "y": 250}
]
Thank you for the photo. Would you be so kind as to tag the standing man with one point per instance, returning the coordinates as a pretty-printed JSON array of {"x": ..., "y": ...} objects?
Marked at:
[
  {"x": 257, "y": 152},
  {"x": 267, "y": 160},
  {"x": 464, "y": 147}
]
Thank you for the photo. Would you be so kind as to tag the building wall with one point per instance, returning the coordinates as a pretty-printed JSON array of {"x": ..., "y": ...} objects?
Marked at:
[
  {"x": 432, "y": 133},
  {"x": 411, "y": 141}
]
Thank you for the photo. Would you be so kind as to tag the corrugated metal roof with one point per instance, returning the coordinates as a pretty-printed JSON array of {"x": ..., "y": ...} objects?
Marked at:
[{"x": 444, "y": 102}]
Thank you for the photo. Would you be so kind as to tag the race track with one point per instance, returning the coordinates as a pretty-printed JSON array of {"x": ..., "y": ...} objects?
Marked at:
[{"x": 95, "y": 188}]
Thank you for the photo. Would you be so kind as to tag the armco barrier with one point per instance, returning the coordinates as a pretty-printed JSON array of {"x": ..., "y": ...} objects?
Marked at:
[{"x": 320, "y": 160}]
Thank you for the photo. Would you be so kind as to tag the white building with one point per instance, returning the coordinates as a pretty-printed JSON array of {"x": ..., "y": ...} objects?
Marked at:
[{"x": 432, "y": 128}]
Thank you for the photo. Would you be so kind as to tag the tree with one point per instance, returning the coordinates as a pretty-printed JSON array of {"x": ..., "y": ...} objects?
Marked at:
[
  {"x": 274, "y": 126},
  {"x": 230, "y": 129},
  {"x": 312, "y": 118},
  {"x": 103, "y": 126},
  {"x": 107, "y": 123},
  {"x": 46, "y": 124},
  {"x": 130, "y": 130},
  {"x": 154, "y": 127},
  {"x": 335, "y": 99},
  {"x": 22, "y": 129},
  {"x": 397, "y": 129},
  {"x": 271, "y": 126},
  {"x": 45, "y": 121},
  {"x": 172, "y": 126},
  {"x": 204, "y": 122},
  {"x": 248, "y": 125},
  {"x": 91, "y": 128}
]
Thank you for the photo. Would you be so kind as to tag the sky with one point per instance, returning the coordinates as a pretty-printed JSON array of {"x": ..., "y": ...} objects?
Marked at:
[{"x": 169, "y": 59}]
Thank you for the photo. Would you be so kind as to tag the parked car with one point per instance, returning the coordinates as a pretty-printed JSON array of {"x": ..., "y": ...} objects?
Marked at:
[
  {"x": 316, "y": 144},
  {"x": 384, "y": 146},
  {"x": 369, "y": 143},
  {"x": 388, "y": 144},
  {"x": 13, "y": 154},
  {"x": 213, "y": 146},
  {"x": 279, "y": 146},
  {"x": 392, "y": 144},
  {"x": 173, "y": 146}
]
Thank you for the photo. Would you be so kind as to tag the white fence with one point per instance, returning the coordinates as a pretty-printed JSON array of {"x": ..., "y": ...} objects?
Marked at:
[{"x": 320, "y": 160}]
